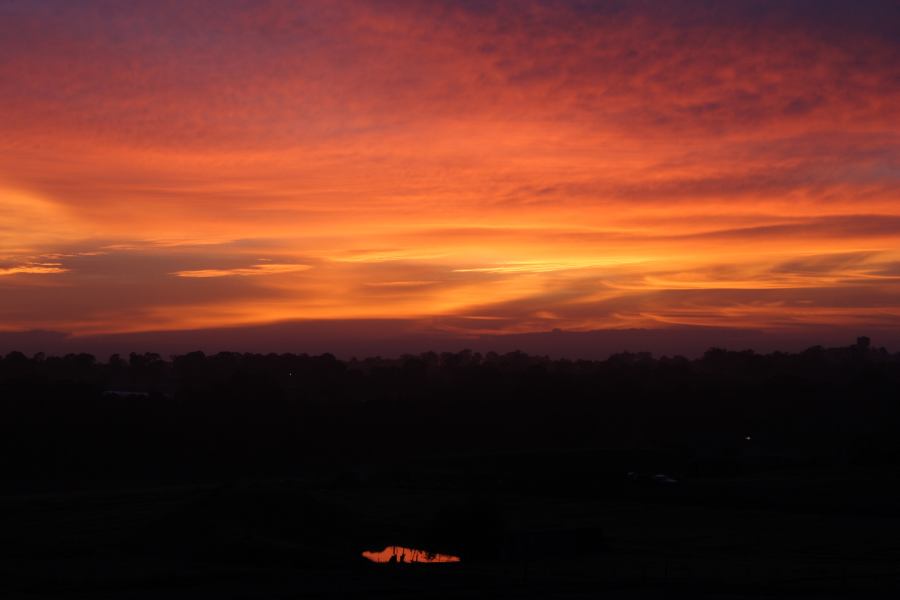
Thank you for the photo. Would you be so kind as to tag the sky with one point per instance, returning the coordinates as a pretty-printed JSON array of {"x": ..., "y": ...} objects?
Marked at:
[{"x": 466, "y": 169}]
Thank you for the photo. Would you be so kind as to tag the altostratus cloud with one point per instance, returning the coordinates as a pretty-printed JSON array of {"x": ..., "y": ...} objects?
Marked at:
[{"x": 519, "y": 165}]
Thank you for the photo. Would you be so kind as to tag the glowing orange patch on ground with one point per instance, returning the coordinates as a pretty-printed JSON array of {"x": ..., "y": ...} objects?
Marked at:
[{"x": 401, "y": 554}]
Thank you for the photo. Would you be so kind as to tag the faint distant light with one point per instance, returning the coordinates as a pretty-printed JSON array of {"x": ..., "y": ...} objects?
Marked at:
[{"x": 747, "y": 437}]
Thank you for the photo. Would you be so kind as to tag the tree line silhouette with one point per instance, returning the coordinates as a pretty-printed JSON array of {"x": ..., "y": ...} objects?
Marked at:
[{"x": 143, "y": 417}]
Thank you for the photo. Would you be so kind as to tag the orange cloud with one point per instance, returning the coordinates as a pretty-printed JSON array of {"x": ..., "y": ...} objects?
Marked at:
[
  {"x": 506, "y": 167},
  {"x": 260, "y": 269},
  {"x": 40, "y": 269}
]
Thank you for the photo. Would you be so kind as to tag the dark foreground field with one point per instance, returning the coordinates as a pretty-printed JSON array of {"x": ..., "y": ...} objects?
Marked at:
[
  {"x": 735, "y": 475},
  {"x": 810, "y": 533}
]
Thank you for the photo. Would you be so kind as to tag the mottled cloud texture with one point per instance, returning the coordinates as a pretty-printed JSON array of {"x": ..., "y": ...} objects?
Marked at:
[{"x": 474, "y": 167}]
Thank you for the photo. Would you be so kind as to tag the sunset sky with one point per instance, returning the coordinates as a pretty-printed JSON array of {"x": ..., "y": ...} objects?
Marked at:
[{"x": 470, "y": 168}]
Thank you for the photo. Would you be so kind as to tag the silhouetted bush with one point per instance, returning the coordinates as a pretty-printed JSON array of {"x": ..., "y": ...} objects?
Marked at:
[
  {"x": 475, "y": 530},
  {"x": 73, "y": 419}
]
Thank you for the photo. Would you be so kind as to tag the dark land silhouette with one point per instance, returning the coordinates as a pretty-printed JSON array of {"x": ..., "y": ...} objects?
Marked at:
[{"x": 735, "y": 474}]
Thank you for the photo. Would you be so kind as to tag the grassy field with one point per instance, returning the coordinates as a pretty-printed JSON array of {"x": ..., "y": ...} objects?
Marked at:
[{"x": 791, "y": 533}]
